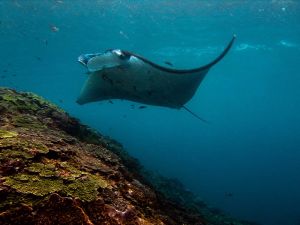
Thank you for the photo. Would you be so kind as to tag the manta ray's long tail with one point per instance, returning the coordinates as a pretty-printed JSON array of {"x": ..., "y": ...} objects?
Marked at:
[
  {"x": 195, "y": 115},
  {"x": 221, "y": 56}
]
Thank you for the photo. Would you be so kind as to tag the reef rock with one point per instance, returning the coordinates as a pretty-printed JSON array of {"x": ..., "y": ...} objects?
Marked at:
[{"x": 54, "y": 170}]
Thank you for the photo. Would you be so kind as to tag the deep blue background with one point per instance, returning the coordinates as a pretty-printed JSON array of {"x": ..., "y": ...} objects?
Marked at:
[{"x": 252, "y": 146}]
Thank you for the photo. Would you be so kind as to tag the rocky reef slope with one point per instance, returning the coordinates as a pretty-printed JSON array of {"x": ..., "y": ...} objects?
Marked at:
[{"x": 54, "y": 170}]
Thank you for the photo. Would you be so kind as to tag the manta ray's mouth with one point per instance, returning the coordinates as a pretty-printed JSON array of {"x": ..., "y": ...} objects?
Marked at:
[
  {"x": 82, "y": 60},
  {"x": 85, "y": 58}
]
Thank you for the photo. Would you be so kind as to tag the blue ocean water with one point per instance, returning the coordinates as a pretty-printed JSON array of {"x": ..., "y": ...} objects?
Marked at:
[{"x": 247, "y": 160}]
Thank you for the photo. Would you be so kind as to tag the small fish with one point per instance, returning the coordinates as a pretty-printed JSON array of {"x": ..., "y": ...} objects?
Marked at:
[
  {"x": 123, "y": 34},
  {"x": 228, "y": 194},
  {"x": 132, "y": 106},
  {"x": 110, "y": 101},
  {"x": 38, "y": 58},
  {"x": 3, "y": 76},
  {"x": 54, "y": 28},
  {"x": 17, "y": 4},
  {"x": 4, "y": 71},
  {"x": 60, "y": 101},
  {"x": 168, "y": 63},
  {"x": 142, "y": 107}
]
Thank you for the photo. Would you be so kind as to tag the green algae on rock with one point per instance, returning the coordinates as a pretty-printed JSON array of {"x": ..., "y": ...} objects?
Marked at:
[
  {"x": 54, "y": 170},
  {"x": 29, "y": 122},
  {"x": 32, "y": 184},
  {"x": 43, "y": 170},
  {"x": 85, "y": 188},
  {"x": 7, "y": 134}
]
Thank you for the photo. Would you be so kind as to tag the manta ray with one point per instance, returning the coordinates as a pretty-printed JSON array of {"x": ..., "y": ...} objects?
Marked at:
[{"x": 120, "y": 74}]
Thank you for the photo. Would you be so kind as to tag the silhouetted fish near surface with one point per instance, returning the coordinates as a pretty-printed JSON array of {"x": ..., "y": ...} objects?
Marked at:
[
  {"x": 119, "y": 74},
  {"x": 142, "y": 107}
]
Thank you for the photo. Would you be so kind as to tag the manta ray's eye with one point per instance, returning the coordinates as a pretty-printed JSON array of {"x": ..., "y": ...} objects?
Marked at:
[
  {"x": 121, "y": 54},
  {"x": 124, "y": 56}
]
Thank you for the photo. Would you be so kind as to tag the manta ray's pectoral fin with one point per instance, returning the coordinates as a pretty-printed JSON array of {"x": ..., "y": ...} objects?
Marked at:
[{"x": 195, "y": 115}]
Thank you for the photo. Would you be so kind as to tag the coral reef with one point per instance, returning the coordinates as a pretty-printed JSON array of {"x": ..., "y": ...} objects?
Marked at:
[{"x": 54, "y": 170}]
